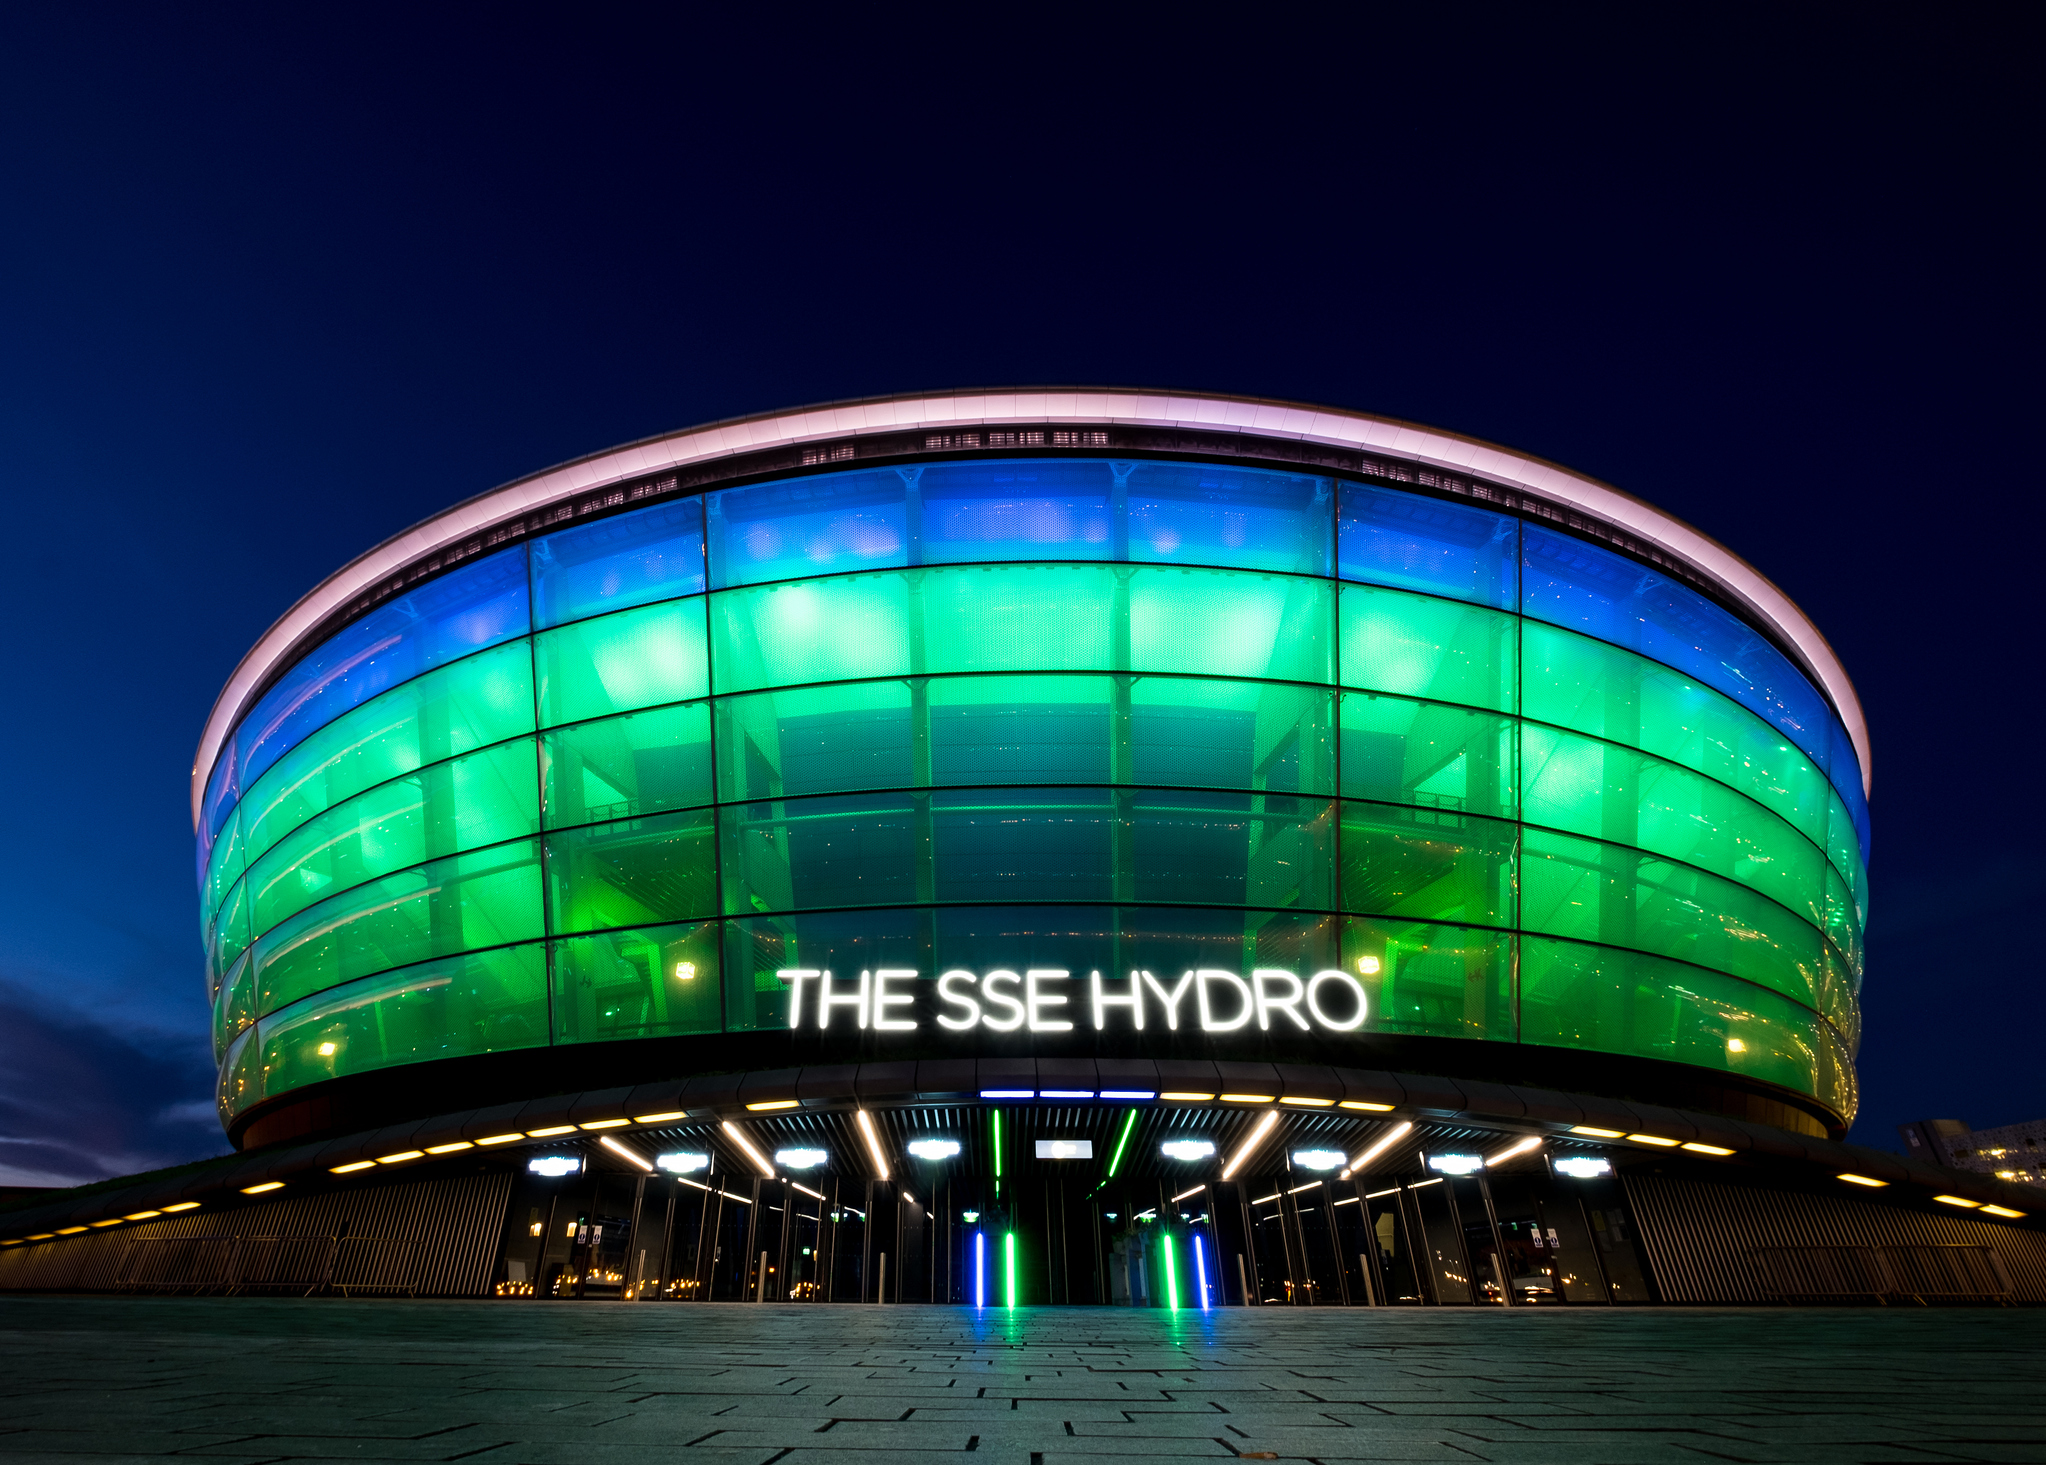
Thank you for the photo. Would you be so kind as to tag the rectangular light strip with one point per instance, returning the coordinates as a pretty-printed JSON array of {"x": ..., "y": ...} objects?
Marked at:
[
  {"x": 2004, "y": 1211},
  {"x": 550, "y": 1131},
  {"x": 1186, "y": 1098},
  {"x": 1257, "y": 1137},
  {"x": 732, "y": 1133},
  {"x": 1128, "y": 1094},
  {"x": 1869, "y": 1180},
  {"x": 1065, "y": 1093},
  {"x": 1311, "y": 1103},
  {"x": 400, "y": 1158},
  {"x": 1385, "y": 1142},
  {"x": 1185, "y": 1193},
  {"x": 352, "y": 1166},
  {"x": 618, "y": 1149},
  {"x": 768, "y": 1105},
  {"x": 1008, "y": 1093},
  {"x": 183, "y": 1205},
  {"x": 1698, "y": 1149},
  {"x": 866, "y": 1123},
  {"x": 1367, "y": 1108},
  {"x": 1532, "y": 1142},
  {"x": 667, "y": 1118},
  {"x": 264, "y": 1188},
  {"x": 500, "y": 1139},
  {"x": 1246, "y": 1098},
  {"x": 1959, "y": 1200},
  {"x": 1652, "y": 1139},
  {"x": 609, "y": 1123},
  {"x": 1595, "y": 1132},
  {"x": 449, "y": 1148}
]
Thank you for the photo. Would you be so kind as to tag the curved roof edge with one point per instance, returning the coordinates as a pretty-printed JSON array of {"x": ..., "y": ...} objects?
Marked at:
[{"x": 1252, "y": 416}]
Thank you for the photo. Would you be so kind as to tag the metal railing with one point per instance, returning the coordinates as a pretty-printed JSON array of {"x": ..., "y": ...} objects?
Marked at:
[{"x": 302, "y": 1265}]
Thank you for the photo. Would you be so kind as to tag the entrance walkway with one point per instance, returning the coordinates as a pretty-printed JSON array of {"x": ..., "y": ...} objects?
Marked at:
[{"x": 245, "y": 1379}]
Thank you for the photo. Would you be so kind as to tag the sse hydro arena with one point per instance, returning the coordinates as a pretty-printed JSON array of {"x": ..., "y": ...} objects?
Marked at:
[{"x": 1082, "y": 846}]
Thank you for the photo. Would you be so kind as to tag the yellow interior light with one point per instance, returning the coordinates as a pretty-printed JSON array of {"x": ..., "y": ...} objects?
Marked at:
[
  {"x": 327, "y": 1050},
  {"x": 1596, "y": 1133},
  {"x": 1697, "y": 1149},
  {"x": 2005, "y": 1211},
  {"x": 1246, "y": 1098},
  {"x": 400, "y": 1158},
  {"x": 550, "y": 1131},
  {"x": 1311, "y": 1103},
  {"x": 109, "y": 1221},
  {"x": 1367, "y": 1108},
  {"x": 69, "y": 1230},
  {"x": 1653, "y": 1139},
  {"x": 606, "y": 1123},
  {"x": 183, "y": 1205},
  {"x": 500, "y": 1139},
  {"x": 766, "y": 1104},
  {"x": 1959, "y": 1200},
  {"x": 662, "y": 1118},
  {"x": 450, "y": 1147},
  {"x": 352, "y": 1166},
  {"x": 142, "y": 1216},
  {"x": 1735, "y": 1045},
  {"x": 266, "y": 1186},
  {"x": 1189, "y": 1098},
  {"x": 11, "y": 1241},
  {"x": 1869, "y": 1180},
  {"x": 42, "y": 1236}
]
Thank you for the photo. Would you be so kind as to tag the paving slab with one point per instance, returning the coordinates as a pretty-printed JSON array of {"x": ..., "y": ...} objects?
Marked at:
[{"x": 96, "y": 1379}]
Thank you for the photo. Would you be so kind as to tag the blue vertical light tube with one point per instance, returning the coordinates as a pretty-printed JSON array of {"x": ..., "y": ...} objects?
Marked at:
[
  {"x": 1200, "y": 1269},
  {"x": 980, "y": 1269}
]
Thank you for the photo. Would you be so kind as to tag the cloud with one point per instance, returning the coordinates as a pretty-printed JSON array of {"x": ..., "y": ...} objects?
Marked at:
[{"x": 81, "y": 1101}]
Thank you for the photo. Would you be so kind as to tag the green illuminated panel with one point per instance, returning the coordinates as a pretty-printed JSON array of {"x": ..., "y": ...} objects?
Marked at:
[
  {"x": 1592, "y": 687},
  {"x": 619, "y": 767},
  {"x": 230, "y": 936},
  {"x": 474, "y": 703},
  {"x": 1399, "y": 751},
  {"x": 1028, "y": 845},
  {"x": 1433, "y": 981},
  {"x": 1608, "y": 893},
  {"x": 241, "y": 1076},
  {"x": 1425, "y": 864},
  {"x": 1605, "y": 792},
  {"x": 1575, "y": 996},
  {"x": 482, "y": 898},
  {"x": 223, "y": 867},
  {"x": 622, "y": 662},
  {"x": 1419, "y": 646},
  {"x": 1022, "y": 618},
  {"x": 819, "y": 740},
  {"x": 632, "y": 872},
  {"x": 658, "y": 982},
  {"x": 484, "y": 1002},
  {"x": 234, "y": 1008},
  {"x": 465, "y": 803}
]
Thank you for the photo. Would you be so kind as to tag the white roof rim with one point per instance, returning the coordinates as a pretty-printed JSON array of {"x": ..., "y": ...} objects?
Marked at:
[{"x": 1088, "y": 406}]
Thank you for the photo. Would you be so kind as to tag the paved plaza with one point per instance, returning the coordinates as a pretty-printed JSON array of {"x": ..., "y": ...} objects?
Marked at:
[{"x": 248, "y": 1379}]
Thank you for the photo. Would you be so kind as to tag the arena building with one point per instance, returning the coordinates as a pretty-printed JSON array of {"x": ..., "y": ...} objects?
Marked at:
[{"x": 1082, "y": 846}]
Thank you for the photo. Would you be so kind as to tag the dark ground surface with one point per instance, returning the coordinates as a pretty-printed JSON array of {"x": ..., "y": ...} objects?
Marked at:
[{"x": 90, "y": 1379}]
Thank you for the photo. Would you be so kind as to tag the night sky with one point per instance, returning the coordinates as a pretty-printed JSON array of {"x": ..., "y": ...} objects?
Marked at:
[{"x": 276, "y": 282}]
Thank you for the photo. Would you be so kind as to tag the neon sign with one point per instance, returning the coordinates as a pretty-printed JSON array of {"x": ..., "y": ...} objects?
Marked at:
[{"x": 1052, "y": 1000}]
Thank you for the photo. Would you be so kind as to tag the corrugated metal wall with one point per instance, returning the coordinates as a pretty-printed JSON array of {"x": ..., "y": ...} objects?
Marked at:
[
  {"x": 453, "y": 1225},
  {"x": 1699, "y": 1234}
]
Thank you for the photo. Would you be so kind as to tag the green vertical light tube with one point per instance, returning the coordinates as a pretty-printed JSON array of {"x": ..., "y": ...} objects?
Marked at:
[
  {"x": 998, "y": 1153},
  {"x": 1009, "y": 1263},
  {"x": 1171, "y": 1274},
  {"x": 1127, "y": 1125}
]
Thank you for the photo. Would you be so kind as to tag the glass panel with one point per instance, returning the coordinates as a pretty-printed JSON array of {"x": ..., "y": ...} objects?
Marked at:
[
  {"x": 617, "y": 663},
  {"x": 234, "y": 1008},
  {"x": 817, "y": 740},
  {"x": 1576, "y": 996},
  {"x": 223, "y": 788},
  {"x": 1229, "y": 624},
  {"x": 1424, "y": 864},
  {"x": 465, "y": 803},
  {"x": 1250, "y": 519},
  {"x": 1607, "y": 893},
  {"x": 1605, "y": 792},
  {"x": 1185, "y": 731},
  {"x": 621, "y": 767},
  {"x": 651, "y": 983},
  {"x": 223, "y": 868},
  {"x": 484, "y": 1002},
  {"x": 806, "y": 526},
  {"x": 631, "y": 559},
  {"x": 478, "y": 701},
  {"x": 1028, "y": 845},
  {"x": 439, "y": 621},
  {"x": 1576, "y": 682},
  {"x": 241, "y": 1080},
  {"x": 1570, "y": 583},
  {"x": 1399, "y": 751},
  {"x": 841, "y": 942},
  {"x": 1032, "y": 509},
  {"x": 633, "y": 872},
  {"x": 483, "y": 898},
  {"x": 230, "y": 936},
  {"x": 1437, "y": 981},
  {"x": 1022, "y": 618},
  {"x": 1410, "y": 542},
  {"x": 1419, "y": 646}
]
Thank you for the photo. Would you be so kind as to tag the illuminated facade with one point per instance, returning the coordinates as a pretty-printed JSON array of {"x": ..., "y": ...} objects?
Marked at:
[{"x": 1061, "y": 740}]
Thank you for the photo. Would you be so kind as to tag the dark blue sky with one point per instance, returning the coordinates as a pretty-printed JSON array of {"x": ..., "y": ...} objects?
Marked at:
[{"x": 276, "y": 283}]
